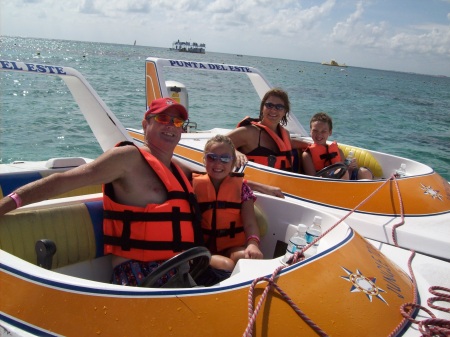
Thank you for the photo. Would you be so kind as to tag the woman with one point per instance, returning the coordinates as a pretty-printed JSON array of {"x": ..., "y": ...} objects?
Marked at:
[{"x": 265, "y": 140}]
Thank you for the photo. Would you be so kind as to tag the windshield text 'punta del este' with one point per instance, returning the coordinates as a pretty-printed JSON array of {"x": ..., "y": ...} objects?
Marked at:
[
  {"x": 31, "y": 67},
  {"x": 209, "y": 66}
]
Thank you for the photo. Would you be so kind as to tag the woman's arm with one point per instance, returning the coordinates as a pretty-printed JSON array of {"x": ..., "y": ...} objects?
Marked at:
[
  {"x": 308, "y": 165},
  {"x": 266, "y": 189}
]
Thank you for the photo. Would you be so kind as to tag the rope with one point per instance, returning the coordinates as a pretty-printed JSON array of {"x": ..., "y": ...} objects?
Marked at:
[
  {"x": 432, "y": 327},
  {"x": 298, "y": 256},
  {"x": 252, "y": 313}
]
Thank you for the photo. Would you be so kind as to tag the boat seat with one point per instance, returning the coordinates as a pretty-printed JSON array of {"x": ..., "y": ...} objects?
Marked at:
[
  {"x": 364, "y": 158},
  {"x": 9, "y": 182},
  {"x": 261, "y": 220},
  {"x": 297, "y": 160},
  {"x": 77, "y": 231}
]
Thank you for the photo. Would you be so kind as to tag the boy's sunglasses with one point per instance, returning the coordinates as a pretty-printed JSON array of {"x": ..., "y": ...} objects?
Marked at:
[
  {"x": 166, "y": 119},
  {"x": 212, "y": 157},
  {"x": 278, "y": 107}
]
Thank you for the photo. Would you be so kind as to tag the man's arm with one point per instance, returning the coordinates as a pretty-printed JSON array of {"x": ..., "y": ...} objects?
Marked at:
[{"x": 109, "y": 166}]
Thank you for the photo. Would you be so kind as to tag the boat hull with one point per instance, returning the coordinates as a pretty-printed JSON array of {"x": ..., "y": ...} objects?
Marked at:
[{"x": 352, "y": 282}]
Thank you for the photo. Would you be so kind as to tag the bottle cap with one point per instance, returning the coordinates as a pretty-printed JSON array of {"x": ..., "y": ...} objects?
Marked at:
[
  {"x": 301, "y": 228},
  {"x": 317, "y": 219}
]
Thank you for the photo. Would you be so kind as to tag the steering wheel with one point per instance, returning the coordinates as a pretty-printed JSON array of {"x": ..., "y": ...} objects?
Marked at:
[
  {"x": 335, "y": 171},
  {"x": 186, "y": 273}
]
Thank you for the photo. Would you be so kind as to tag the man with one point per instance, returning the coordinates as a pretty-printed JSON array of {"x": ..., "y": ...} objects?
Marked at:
[{"x": 130, "y": 180}]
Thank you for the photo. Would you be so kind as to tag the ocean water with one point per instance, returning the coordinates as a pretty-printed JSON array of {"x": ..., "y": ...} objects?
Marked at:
[{"x": 400, "y": 113}]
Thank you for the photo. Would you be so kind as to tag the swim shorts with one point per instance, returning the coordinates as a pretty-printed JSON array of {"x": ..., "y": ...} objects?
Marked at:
[{"x": 133, "y": 273}]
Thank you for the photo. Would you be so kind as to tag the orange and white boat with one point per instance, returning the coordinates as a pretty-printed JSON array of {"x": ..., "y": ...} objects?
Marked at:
[
  {"x": 421, "y": 197},
  {"x": 351, "y": 286}
]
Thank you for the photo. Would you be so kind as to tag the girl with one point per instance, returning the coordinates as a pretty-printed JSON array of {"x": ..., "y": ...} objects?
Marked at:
[{"x": 227, "y": 205}]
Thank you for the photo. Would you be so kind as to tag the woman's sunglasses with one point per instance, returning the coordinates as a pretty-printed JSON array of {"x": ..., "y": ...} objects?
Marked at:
[
  {"x": 166, "y": 119},
  {"x": 224, "y": 158},
  {"x": 278, "y": 107}
]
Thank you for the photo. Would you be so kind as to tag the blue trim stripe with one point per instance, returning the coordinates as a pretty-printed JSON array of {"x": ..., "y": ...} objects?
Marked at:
[
  {"x": 95, "y": 209},
  {"x": 11, "y": 182},
  {"x": 31, "y": 329}
]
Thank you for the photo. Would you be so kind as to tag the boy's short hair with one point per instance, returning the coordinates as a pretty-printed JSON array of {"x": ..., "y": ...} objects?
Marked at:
[{"x": 322, "y": 117}]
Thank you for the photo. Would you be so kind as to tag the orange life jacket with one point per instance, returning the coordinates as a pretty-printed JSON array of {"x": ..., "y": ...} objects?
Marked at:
[
  {"x": 324, "y": 155},
  {"x": 282, "y": 160},
  {"x": 221, "y": 213},
  {"x": 157, "y": 231}
]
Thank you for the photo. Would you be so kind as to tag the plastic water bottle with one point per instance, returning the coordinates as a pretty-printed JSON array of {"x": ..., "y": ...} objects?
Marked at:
[
  {"x": 401, "y": 172},
  {"x": 313, "y": 232},
  {"x": 296, "y": 243},
  {"x": 349, "y": 158}
]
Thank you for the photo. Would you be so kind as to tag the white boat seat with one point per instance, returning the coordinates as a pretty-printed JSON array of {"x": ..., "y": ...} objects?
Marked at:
[{"x": 65, "y": 162}]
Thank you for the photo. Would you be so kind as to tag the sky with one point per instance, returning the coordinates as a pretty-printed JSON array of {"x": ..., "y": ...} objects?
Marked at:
[{"x": 400, "y": 35}]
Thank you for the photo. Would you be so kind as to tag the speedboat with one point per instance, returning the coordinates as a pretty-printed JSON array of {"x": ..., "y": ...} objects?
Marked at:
[
  {"x": 55, "y": 281},
  {"x": 55, "y": 278},
  {"x": 419, "y": 200}
]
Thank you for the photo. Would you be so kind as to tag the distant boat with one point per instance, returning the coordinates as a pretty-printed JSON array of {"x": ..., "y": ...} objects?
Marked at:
[
  {"x": 198, "y": 48},
  {"x": 334, "y": 63}
]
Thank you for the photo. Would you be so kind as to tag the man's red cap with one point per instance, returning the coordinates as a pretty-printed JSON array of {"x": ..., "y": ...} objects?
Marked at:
[{"x": 160, "y": 105}]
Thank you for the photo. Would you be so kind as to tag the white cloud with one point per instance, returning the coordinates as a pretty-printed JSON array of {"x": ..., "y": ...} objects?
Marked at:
[
  {"x": 385, "y": 41},
  {"x": 360, "y": 33},
  {"x": 88, "y": 7}
]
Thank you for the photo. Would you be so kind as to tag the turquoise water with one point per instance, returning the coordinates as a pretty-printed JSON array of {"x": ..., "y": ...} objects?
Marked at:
[{"x": 400, "y": 113}]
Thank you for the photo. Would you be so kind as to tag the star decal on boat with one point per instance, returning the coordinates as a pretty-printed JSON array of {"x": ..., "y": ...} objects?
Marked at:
[
  {"x": 430, "y": 191},
  {"x": 361, "y": 283}
]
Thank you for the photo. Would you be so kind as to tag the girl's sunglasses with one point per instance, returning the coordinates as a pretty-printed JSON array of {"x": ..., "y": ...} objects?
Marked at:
[
  {"x": 166, "y": 119},
  {"x": 212, "y": 157}
]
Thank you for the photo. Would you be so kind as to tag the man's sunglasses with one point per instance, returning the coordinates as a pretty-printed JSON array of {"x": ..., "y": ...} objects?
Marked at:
[
  {"x": 278, "y": 107},
  {"x": 166, "y": 119},
  {"x": 212, "y": 157}
]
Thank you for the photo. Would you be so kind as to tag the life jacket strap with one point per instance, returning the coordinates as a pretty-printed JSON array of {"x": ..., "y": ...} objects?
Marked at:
[
  {"x": 219, "y": 233},
  {"x": 208, "y": 205}
]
